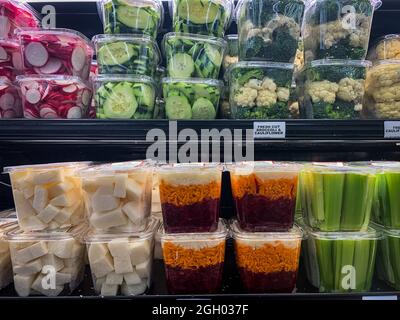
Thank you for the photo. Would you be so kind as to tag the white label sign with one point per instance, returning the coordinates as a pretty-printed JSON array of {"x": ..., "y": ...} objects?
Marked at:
[
  {"x": 269, "y": 130},
  {"x": 392, "y": 129}
]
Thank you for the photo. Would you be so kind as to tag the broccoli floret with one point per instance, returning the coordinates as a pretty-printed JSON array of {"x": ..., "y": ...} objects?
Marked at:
[
  {"x": 339, "y": 110},
  {"x": 281, "y": 77},
  {"x": 279, "y": 110},
  {"x": 335, "y": 73},
  {"x": 251, "y": 74},
  {"x": 342, "y": 50},
  {"x": 254, "y": 47}
]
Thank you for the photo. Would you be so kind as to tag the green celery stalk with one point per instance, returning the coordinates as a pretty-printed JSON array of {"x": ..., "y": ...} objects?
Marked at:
[
  {"x": 371, "y": 263},
  {"x": 333, "y": 195},
  {"x": 384, "y": 263},
  {"x": 381, "y": 205},
  {"x": 393, "y": 187},
  {"x": 344, "y": 256},
  {"x": 325, "y": 264},
  {"x": 394, "y": 252},
  {"x": 361, "y": 264},
  {"x": 369, "y": 197},
  {"x": 317, "y": 198},
  {"x": 311, "y": 262}
]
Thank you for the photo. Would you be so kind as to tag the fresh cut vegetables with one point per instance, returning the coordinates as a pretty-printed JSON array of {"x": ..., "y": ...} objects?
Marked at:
[{"x": 10, "y": 100}]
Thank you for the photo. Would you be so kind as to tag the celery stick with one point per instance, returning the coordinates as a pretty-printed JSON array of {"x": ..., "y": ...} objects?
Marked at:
[
  {"x": 317, "y": 198},
  {"x": 369, "y": 197},
  {"x": 333, "y": 195},
  {"x": 361, "y": 263},
  {"x": 394, "y": 247},
  {"x": 380, "y": 207},
  {"x": 384, "y": 263},
  {"x": 310, "y": 261},
  {"x": 325, "y": 264},
  {"x": 393, "y": 184},
  {"x": 343, "y": 265},
  {"x": 371, "y": 263}
]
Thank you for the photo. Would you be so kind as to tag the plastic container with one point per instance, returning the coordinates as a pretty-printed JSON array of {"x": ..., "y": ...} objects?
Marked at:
[
  {"x": 208, "y": 17},
  {"x": 54, "y": 97},
  {"x": 121, "y": 263},
  {"x": 191, "y": 55},
  {"x": 338, "y": 29},
  {"x": 269, "y": 30},
  {"x": 6, "y": 273},
  {"x": 10, "y": 100},
  {"x": 55, "y": 52},
  {"x": 385, "y": 48},
  {"x": 125, "y": 97},
  {"x": 190, "y": 196},
  {"x": 232, "y": 51},
  {"x": 382, "y": 95},
  {"x": 191, "y": 98},
  {"x": 194, "y": 261},
  {"x": 10, "y": 55},
  {"x": 92, "y": 76},
  {"x": 132, "y": 16},
  {"x": 267, "y": 261},
  {"x": 332, "y": 89},
  {"x": 265, "y": 194},
  {"x": 224, "y": 106},
  {"x": 118, "y": 196},
  {"x": 337, "y": 197},
  {"x": 126, "y": 54},
  {"x": 260, "y": 90},
  {"x": 338, "y": 262},
  {"x": 8, "y": 215},
  {"x": 15, "y": 15},
  {"x": 47, "y": 196},
  {"x": 47, "y": 263}
]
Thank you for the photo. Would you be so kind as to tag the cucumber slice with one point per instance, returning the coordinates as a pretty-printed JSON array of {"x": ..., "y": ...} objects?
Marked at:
[
  {"x": 116, "y": 53},
  {"x": 201, "y": 91},
  {"x": 198, "y": 12},
  {"x": 178, "y": 108},
  {"x": 135, "y": 17},
  {"x": 203, "y": 109},
  {"x": 213, "y": 54},
  {"x": 181, "y": 65},
  {"x": 121, "y": 102},
  {"x": 145, "y": 94}
]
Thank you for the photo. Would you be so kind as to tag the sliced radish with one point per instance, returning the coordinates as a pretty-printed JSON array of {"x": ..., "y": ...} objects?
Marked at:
[
  {"x": 36, "y": 54},
  {"x": 74, "y": 113},
  {"x": 3, "y": 54},
  {"x": 48, "y": 113},
  {"x": 51, "y": 67},
  {"x": 7, "y": 101},
  {"x": 33, "y": 96},
  {"x": 70, "y": 89},
  {"x": 86, "y": 95},
  {"x": 46, "y": 92},
  {"x": 30, "y": 114},
  {"x": 9, "y": 113},
  {"x": 78, "y": 58},
  {"x": 17, "y": 61}
]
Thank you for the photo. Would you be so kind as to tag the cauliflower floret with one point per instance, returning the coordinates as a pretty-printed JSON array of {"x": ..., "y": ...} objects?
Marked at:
[
  {"x": 228, "y": 60},
  {"x": 254, "y": 83},
  {"x": 277, "y": 22},
  {"x": 387, "y": 94},
  {"x": 268, "y": 84},
  {"x": 245, "y": 97},
  {"x": 385, "y": 109},
  {"x": 358, "y": 107},
  {"x": 283, "y": 94},
  {"x": 351, "y": 89},
  {"x": 324, "y": 91},
  {"x": 383, "y": 75},
  {"x": 266, "y": 98},
  {"x": 294, "y": 109},
  {"x": 388, "y": 49}
]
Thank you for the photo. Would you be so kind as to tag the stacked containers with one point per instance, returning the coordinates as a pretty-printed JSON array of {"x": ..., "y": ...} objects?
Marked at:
[
  {"x": 6, "y": 274},
  {"x": 127, "y": 57},
  {"x": 267, "y": 244}
]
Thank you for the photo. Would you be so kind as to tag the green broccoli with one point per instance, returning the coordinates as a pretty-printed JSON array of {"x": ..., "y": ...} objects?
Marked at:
[
  {"x": 254, "y": 47},
  {"x": 339, "y": 110},
  {"x": 341, "y": 50},
  {"x": 335, "y": 73},
  {"x": 281, "y": 77},
  {"x": 251, "y": 74},
  {"x": 279, "y": 110}
]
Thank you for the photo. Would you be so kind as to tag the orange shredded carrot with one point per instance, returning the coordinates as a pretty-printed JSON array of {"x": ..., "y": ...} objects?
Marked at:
[
  {"x": 268, "y": 258},
  {"x": 187, "y": 195},
  {"x": 185, "y": 258}
]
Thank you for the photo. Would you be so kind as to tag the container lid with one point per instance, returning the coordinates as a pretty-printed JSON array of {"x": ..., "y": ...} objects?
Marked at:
[
  {"x": 93, "y": 236},
  {"x": 8, "y": 215},
  {"x": 23, "y": 5},
  {"x": 242, "y": 2},
  {"x": 210, "y": 82},
  {"x": 48, "y": 166},
  {"x": 248, "y": 167},
  {"x": 184, "y": 167},
  {"x": 293, "y": 234},
  {"x": 379, "y": 165},
  {"x": 7, "y": 226},
  {"x": 386, "y": 231},
  {"x": 68, "y": 80},
  {"x": 231, "y": 37},
  {"x": 379, "y": 63},
  {"x": 338, "y": 168},
  {"x": 123, "y": 77},
  {"x": 260, "y": 64},
  {"x": 61, "y": 234},
  {"x": 339, "y": 62},
  {"x": 376, "y": 4},
  {"x": 118, "y": 167}
]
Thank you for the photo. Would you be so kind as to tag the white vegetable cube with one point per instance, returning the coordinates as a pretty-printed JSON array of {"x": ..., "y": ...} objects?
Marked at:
[
  {"x": 24, "y": 208},
  {"x": 109, "y": 289},
  {"x": 29, "y": 268},
  {"x": 140, "y": 251},
  {"x": 60, "y": 188},
  {"x": 30, "y": 253},
  {"x": 120, "y": 185},
  {"x": 135, "y": 211},
  {"x": 23, "y": 284},
  {"x": 98, "y": 283},
  {"x": 53, "y": 261},
  {"x": 119, "y": 248},
  {"x": 40, "y": 198},
  {"x": 101, "y": 267},
  {"x": 132, "y": 278},
  {"x": 109, "y": 219},
  {"x": 48, "y": 213},
  {"x": 48, "y": 176},
  {"x": 63, "y": 278},
  {"x": 97, "y": 251},
  {"x": 67, "y": 199},
  {"x": 62, "y": 248},
  {"x": 64, "y": 215},
  {"x": 103, "y": 199},
  {"x": 123, "y": 265},
  {"x": 144, "y": 269},
  {"x": 32, "y": 223},
  {"x": 113, "y": 278},
  {"x": 43, "y": 284},
  {"x": 133, "y": 290},
  {"x": 27, "y": 189},
  {"x": 4, "y": 247},
  {"x": 134, "y": 190}
]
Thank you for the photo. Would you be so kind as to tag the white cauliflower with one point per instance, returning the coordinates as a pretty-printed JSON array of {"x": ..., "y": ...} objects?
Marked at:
[
  {"x": 383, "y": 75},
  {"x": 254, "y": 83},
  {"x": 385, "y": 110},
  {"x": 268, "y": 84},
  {"x": 324, "y": 91},
  {"x": 388, "y": 49},
  {"x": 277, "y": 22},
  {"x": 351, "y": 89},
  {"x": 245, "y": 97},
  {"x": 283, "y": 94},
  {"x": 387, "y": 94},
  {"x": 266, "y": 98},
  {"x": 228, "y": 60},
  {"x": 294, "y": 110}
]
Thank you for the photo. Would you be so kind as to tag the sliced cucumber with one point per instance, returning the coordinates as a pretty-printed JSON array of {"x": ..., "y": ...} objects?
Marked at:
[
  {"x": 197, "y": 11},
  {"x": 178, "y": 108},
  {"x": 135, "y": 17},
  {"x": 203, "y": 109},
  {"x": 121, "y": 102},
  {"x": 116, "y": 53},
  {"x": 181, "y": 65},
  {"x": 201, "y": 91},
  {"x": 213, "y": 54},
  {"x": 145, "y": 94}
]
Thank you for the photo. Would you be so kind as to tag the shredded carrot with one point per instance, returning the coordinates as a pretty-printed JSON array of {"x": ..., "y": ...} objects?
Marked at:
[
  {"x": 190, "y": 194},
  {"x": 185, "y": 258},
  {"x": 268, "y": 258},
  {"x": 271, "y": 188}
]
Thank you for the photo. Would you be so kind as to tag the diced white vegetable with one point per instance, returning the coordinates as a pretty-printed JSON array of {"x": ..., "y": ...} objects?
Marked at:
[
  {"x": 48, "y": 213},
  {"x": 66, "y": 199},
  {"x": 109, "y": 289},
  {"x": 132, "y": 278},
  {"x": 27, "y": 188},
  {"x": 123, "y": 265},
  {"x": 29, "y": 268},
  {"x": 36, "y": 54},
  {"x": 101, "y": 267},
  {"x": 37, "y": 285},
  {"x": 134, "y": 211},
  {"x": 24, "y": 208},
  {"x": 65, "y": 214},
  {"x": 102, "y": 201},
  {"x": 98, "y": 283},
  {"x": 53, "y": 260},
  {"x": 108, "y": 181},
  {"x": 63, "y": 278},
  {"x": 62, "y": 248},
  {"x": 108, "y": 219},
  {"x": 73, "y": 263},
  {"x": 53, "y": 225},
  {"x": 144, "y": 269},
  {"x": 4, "y": 247},
  {"x": 77, "y": 250},
  {"x": 133, "y": 189},
  {"x": 32, "y": 252},
  {"x": 32, "y": 223},
  {"x": 51, "y": 176},
  {"x": 23, "y": 284},
  {"x": 60, "y": 188},
  {"x": 140, "y": 251},
  {"x": 113, "y": 278},
  {"x": 120, "y": 188},
  {"x": 133, "y": 290},
  {"x": 119, "y": 248},
  {"x": 78, "y": 58},
  {"x": 97, "y": 251}
]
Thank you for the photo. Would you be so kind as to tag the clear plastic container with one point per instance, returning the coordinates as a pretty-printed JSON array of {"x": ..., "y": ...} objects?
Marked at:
[
  {"x": 194, "y": 261},
  {"x": 267, "y": 261},
  {"x": 55, "y": 52},
  {"x": 132, "y": 16},
  {"x": 92, "y": 76},
  {"x": 332, "y": 89},
  {"x": 337, "y": 198},
  {"x": 191, "y": 55},
  {"x": 190, "y": 196},
  {"x": 6, "y": 273},
  {"x": 126, "y": 54},
  {"x": 260, "y": 90},
  {"x": 382, "y": 94},
  {"x": 9, "y": 215},
  {"x": 337, "y": 29},
  {"x": 125, "y": 97},
  {"x": 232, "y": 51},
  {"x": 15, "y": 15},
  {"x": 385, "y": 48},
  {"x": 47, "y": 196},
  {"x": 121, "y": 263},
  {"x": 10, "y": 100},
  {"x": 47, "y": 263},
  {"x": 269, "y": 30},
  {"x": 208, "y": 17},
  {"x": 338, "y": 262},
  {"x": 54, "y": 97},
  {"x": 224, "y": 106},
  {"x": 265, "y": 194},
  {"x": 118, "y": 196},
  {"x": 10, "y": 55},
  {"x": 191, "y": 98}
]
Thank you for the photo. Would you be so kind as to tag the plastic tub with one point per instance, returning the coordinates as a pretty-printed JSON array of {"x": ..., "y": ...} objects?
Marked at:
[
  {"x": 124, "y": 97},
  {"x": 121, "y": 263},
  {"x": 55, "y": 51},
  {"x": 10, "y": 100},
  {"x": 337, "y": 198},
  {"x": 232, "y": 51},
  {"x": 92, "y": 75},
  {"x": 191, "y": 55},
  {"x": 191, "y": 98},
  {"x": 224, "y": 106},
  {"x": 118, "y": 196},
  {"x": 132, "y": 16},
  {"x": 6, "y": 273},
  {"x": 338, "y": 29},
  {"x": 10, "y": 55},
  {"x": 267, "y": 261},
  {"x": 269, "y": 30},
  {"x": 194, "y": 261},
  {"x": 385, "y": 48},
  {"x": 208, "y": 17},
  {"x": 8, "y": 215},
  {"x": 190, "y": 196},
  {"x": 47, "y": 263},
  {"x": 126, "y": 54},
  {"x": 265, "y": 194},
  {"x": 260, "y": 90},
  {"x": 47, "y": 196},
  {"x": 54, "y": 97},
  {"x": 332, "y": 89}
]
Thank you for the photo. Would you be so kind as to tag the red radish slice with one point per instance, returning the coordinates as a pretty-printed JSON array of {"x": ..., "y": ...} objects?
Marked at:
[
  {"x": 86, "y": 95},
  {"x": 51, "y": 67},
  {"x": 46, "y": 91},
  {"x": 48, "y": 113},
  {"x": 3, "y": 54},
  {"x": 74, "y": 113},
  {"x": 9, "y": 113},
  {"x": 7, "y": 101},
  {"x": 36, "y": 54},
  {"x": 30, "y": 114},
  {"x": 70, "y": 89},
  {"x": 17, "y": 61},
  {"x": 78, "y": 58},
  {"x": 33, "y": 96}
]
